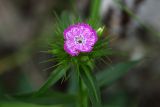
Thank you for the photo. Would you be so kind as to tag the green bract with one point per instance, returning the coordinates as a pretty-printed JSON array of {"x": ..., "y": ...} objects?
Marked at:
[{"x": 82, "y": 65}]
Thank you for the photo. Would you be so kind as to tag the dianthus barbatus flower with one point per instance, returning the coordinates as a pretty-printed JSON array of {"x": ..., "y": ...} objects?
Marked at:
[{"x": 79, "y": 38}]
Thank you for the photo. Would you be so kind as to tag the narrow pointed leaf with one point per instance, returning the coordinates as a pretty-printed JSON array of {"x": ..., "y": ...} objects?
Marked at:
[
  {"x": 48, "y": 98},
  {"x": 57, "y": 74},
  {"x": 91, "y": 85},
  {"x": 113, "y": 73},
  {"x": 95, "y": 7},
  {"x": 20, "y": 104}
]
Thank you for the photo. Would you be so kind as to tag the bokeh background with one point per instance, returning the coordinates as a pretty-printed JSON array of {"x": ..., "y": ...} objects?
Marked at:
[{"x": 134, "y": 28}]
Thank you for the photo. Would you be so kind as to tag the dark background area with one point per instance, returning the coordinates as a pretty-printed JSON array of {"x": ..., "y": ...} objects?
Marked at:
[{"x": 27, "y": 25}]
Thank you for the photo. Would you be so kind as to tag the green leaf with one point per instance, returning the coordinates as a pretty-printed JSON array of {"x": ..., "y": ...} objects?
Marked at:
[
  {"x": 91, "y": 85},
  {"x": 95, "y": 9},
  {"x": 73, "y": 86},
  {"x": 20, "y": 104},
  {"x": 113, "y": 73},
  {"x": 73, "y": 82},
  {"x": 48, "y": 98},
  {"x": 57, "y": 74},
  {"x": 83, "y": 97}
]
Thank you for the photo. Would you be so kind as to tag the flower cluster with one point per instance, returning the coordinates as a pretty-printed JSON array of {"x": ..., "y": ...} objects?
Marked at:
[{"x": 79, "y": 38}]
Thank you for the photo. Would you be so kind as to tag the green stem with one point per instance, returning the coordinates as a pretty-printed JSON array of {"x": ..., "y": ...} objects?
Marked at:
[{"x": 83, "y": 94}]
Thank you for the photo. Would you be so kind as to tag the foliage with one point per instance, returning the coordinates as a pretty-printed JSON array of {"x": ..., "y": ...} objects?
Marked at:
[{"x": 84, "y": 84}]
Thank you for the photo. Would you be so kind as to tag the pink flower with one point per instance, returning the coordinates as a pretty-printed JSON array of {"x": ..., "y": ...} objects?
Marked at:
[{"x": 79, "y": 38}]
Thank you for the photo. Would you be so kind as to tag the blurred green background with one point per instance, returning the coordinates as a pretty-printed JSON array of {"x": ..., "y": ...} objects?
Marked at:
[{"x": 26, "y": 26}]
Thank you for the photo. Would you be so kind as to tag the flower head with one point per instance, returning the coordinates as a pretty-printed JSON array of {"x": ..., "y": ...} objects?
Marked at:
[{"x": 79, "y": 38}]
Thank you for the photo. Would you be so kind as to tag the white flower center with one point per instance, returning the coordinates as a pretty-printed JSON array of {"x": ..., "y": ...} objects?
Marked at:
[{"x": 79, "y": 40}]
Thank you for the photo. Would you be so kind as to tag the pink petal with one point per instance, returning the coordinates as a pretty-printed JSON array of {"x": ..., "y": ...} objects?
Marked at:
[
  {"x": 79, "y": 30},
  {"x": 70, "y": 48}
]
